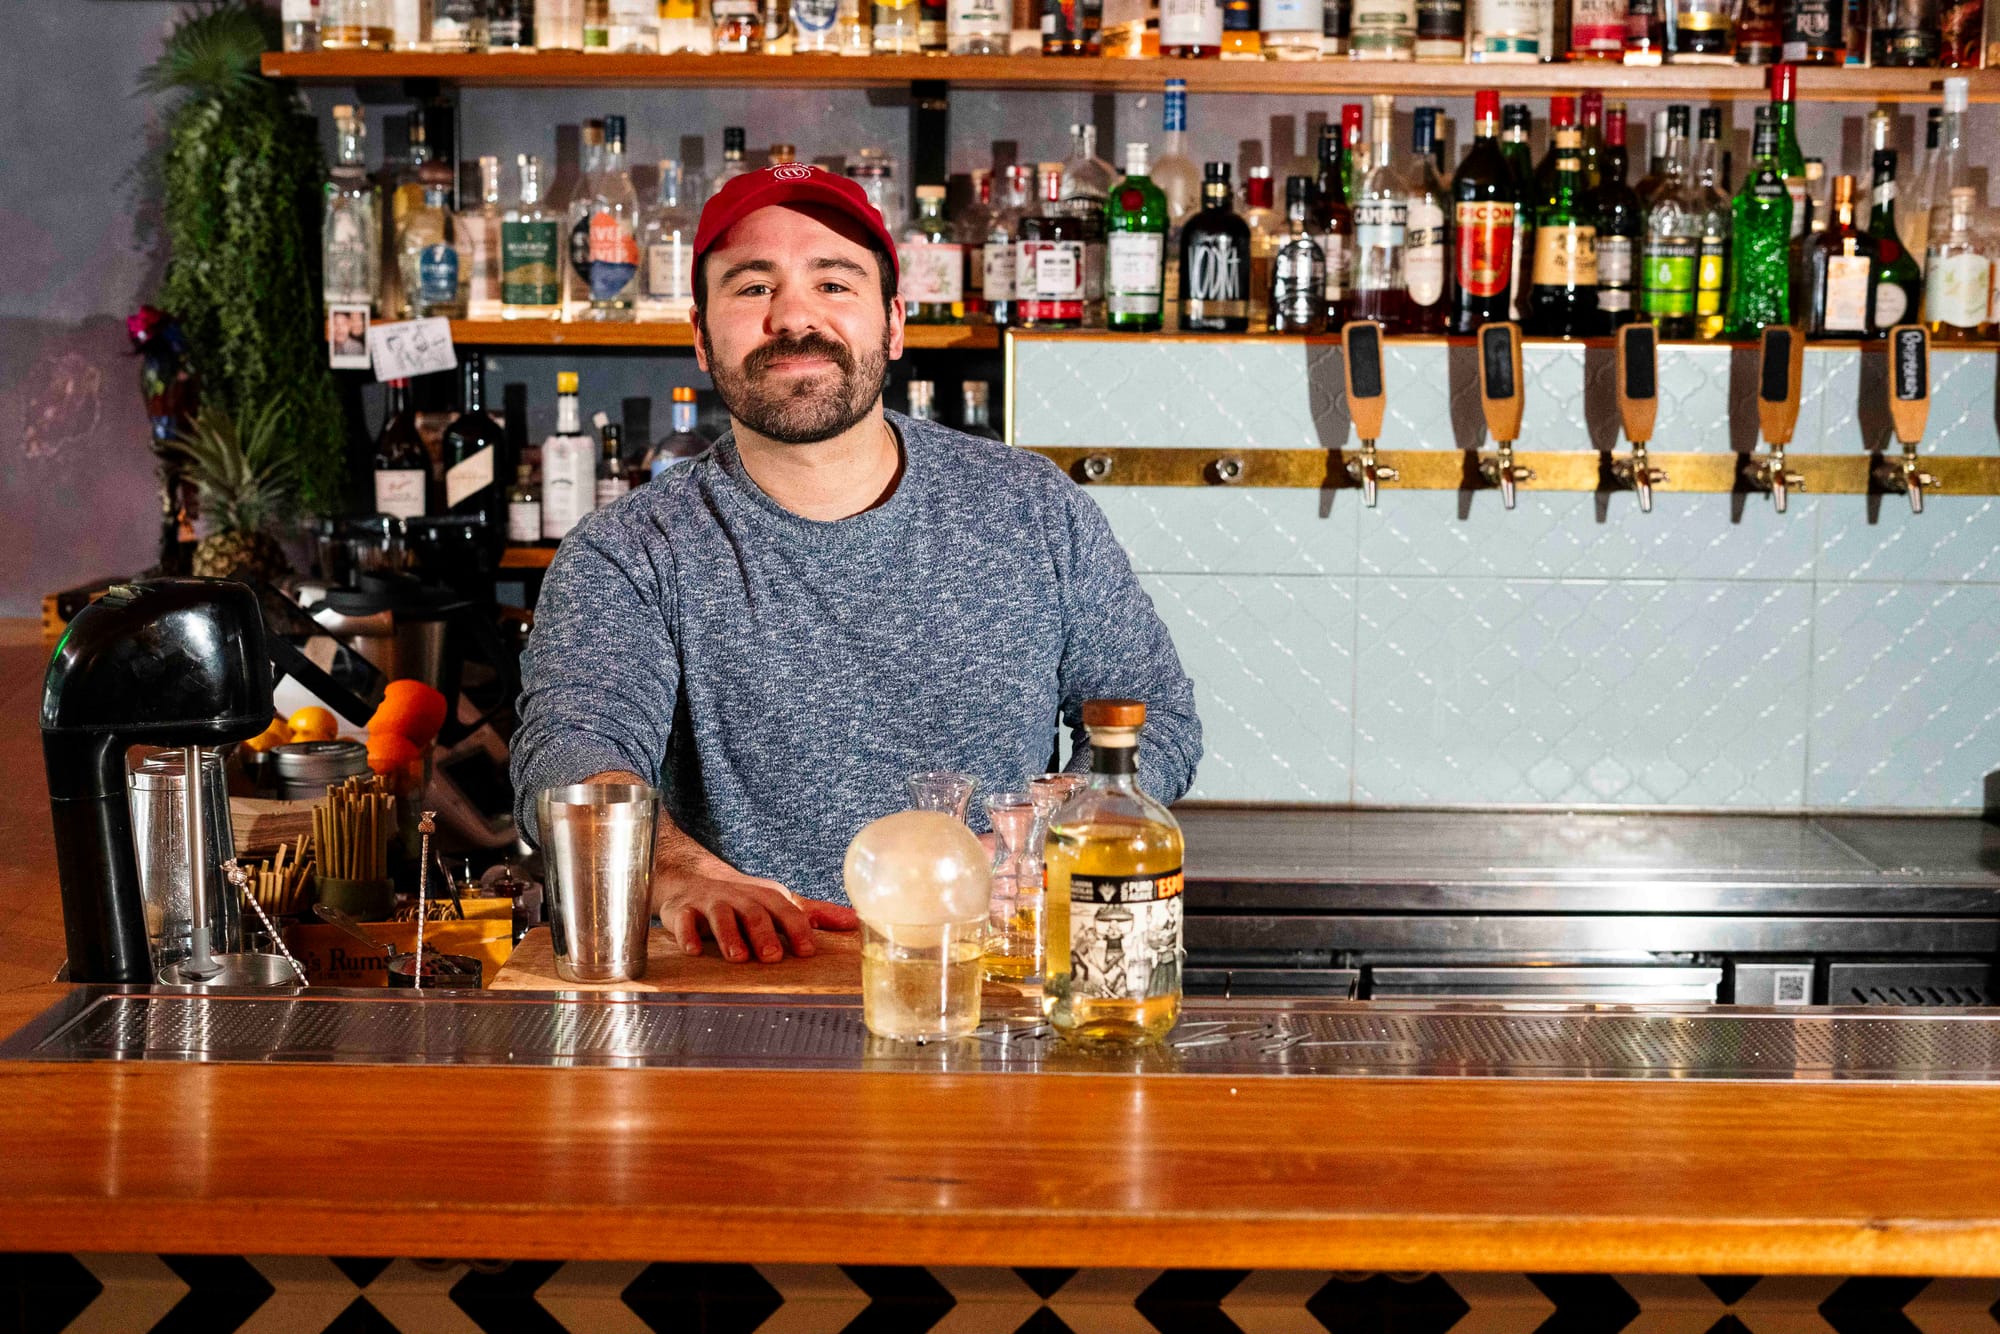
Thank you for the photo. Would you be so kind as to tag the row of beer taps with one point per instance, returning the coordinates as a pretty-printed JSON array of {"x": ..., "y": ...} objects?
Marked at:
[{"x": 1779, "y": 373}]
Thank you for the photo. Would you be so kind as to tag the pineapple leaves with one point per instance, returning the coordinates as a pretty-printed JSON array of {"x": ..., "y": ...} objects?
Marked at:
[
  {"x": 244, "y": 476},
  {"x": 216, "y": 49}
]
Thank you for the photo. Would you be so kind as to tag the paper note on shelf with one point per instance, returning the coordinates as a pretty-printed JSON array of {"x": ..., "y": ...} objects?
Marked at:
[{"x": 409, "y": 348}]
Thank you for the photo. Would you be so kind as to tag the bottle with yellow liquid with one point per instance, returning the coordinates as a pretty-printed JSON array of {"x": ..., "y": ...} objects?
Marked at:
[{"x": 1114, "y": 896}]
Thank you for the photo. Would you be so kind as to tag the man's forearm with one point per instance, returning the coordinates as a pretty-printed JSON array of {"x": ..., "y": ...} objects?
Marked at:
[{"x": 674, "y": 849}]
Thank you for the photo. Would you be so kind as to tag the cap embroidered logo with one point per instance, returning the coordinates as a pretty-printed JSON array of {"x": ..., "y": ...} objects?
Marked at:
[{"x": 792, "y": 171}]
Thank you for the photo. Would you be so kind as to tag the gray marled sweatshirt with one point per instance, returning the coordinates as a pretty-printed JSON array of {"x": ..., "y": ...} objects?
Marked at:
[{"x": 782, "y": 676}]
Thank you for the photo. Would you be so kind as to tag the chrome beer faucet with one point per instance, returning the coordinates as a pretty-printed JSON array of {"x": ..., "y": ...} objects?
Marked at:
[
  {"x": 1361, "y": 355},
  {"x": 1781, "y": 360},
  {"x": 1638, "y": 406},
  {"x": 1500, "y": 396},
  {"x": 1909, "y": 391}
]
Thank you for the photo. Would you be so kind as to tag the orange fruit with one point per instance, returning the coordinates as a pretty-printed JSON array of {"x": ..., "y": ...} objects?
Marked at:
[
  {"x": 411, "y": 709},
  {"x": 314, "y": 723},
  {"x": 277, "y": 734},
  {"x": 389, "y": 752}
]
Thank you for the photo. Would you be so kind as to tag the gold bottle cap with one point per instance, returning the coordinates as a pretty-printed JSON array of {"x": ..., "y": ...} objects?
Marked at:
[{"x": 565, "y": 382}]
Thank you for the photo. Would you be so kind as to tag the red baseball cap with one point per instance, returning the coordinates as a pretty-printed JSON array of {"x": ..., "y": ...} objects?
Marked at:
[{"x": 789, "y": 183}]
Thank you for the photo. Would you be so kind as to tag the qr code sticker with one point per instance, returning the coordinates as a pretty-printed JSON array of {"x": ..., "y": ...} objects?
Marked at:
[{"x": 1794, "y": 988}]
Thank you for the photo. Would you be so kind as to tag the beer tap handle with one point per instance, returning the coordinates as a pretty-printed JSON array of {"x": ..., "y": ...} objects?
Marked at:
[
  {"x": 1361, "y": 356},
  {"x": 1638, "y": 382},
  {"x": 1500, "y": 399},
  {"x": 1909, "y": 383},
  {"x": 1778, "y": 376}
]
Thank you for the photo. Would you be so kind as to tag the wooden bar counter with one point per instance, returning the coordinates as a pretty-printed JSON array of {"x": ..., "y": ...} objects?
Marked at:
[{"x": 1120, "y": 1169}]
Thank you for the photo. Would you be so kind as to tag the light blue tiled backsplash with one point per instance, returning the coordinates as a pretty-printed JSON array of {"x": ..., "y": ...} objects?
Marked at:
[{"x": 1709, "y": 655}]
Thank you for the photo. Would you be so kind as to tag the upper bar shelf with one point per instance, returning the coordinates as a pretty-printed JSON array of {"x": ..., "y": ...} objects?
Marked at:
[{"x": 1321, "y": 77}]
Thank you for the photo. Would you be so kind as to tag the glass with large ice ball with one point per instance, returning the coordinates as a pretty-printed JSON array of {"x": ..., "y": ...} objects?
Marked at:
[{"x": 922, "y": 884}]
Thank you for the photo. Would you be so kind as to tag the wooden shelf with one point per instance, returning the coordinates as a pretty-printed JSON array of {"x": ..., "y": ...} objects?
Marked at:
[
  {"x": 586, "y": 333},
  {"x": 527, "y": 558},
  {"x": 1328, "y": 77}
]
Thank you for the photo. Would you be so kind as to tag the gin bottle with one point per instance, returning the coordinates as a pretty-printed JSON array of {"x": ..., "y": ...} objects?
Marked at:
[
  {"x": 1003, "y": 228},
  {"x": 667, "y": 241},
  {"x": 932, "y": 263},
  {"x": 1135, "y": 220},
  {"x": 530, "y": 254},
  {"x": 353, "y": 227},
  {"x": 1113, "y": 916},
  {"x": 576, "y": 283},
  {"x": 613, "y": 232}
]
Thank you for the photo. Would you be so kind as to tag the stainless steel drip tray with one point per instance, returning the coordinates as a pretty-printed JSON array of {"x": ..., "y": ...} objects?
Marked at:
[{"x": 1216, "y": 1037}]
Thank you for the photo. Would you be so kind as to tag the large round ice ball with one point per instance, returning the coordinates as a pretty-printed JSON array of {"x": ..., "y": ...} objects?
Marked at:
[{"x": 918, "y": 868}]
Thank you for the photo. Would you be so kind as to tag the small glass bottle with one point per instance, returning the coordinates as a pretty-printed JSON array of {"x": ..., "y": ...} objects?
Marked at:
[
  {"x": 432, "y": 267},
  {"x": 1441, "y": 31},
  {"x": 932, "y": 263},
  {"x": 524, "y": 508},
  {"x": 874, "y": 170},
  {"x": 355, "y": 25},
  {"x": 1114, "y": 896},
  {"x": 1071, "y": 27},
  {"x": 667, "y": 242},
  {"x": 1814, "y": 31},
  {"x": 479, "y": 241},
  {"x": 612, "y": 484},
  {"x": 1014, "y": 929},
  {"x": 977, "y": 396},
  {"x": 1704, "y": 32}
]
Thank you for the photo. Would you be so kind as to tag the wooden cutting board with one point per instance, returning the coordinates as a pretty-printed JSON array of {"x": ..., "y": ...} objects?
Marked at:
[{"x": 834, "y": 971}]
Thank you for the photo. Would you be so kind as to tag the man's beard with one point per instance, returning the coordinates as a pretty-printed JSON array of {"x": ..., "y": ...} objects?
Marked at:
[{"x": 809, "y": 409}]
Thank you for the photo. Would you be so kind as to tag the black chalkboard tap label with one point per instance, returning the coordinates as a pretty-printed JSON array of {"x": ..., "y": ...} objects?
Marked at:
[
  {"x": 1496, "y": 354},
  {"x": 1912, "y": 362}
]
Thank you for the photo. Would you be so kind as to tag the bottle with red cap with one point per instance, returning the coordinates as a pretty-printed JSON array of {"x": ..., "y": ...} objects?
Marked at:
[
  {"x": 1791, "y": 161},
  {"x": 1619, "y": 222},
  {"x": 1562, "y": 116},
  {"x": 1484, "y": 209}
]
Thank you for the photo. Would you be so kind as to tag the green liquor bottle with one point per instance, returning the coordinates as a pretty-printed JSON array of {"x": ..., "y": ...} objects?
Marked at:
[
  {"x": 1564, "y": 299},
  {"x": 1670, "y": 259},
  {"x": 1899, "y": 288},
  {"x": 1761, "y": 229},
  {"x": 1135, "y": 255},
  {"x": 1791, "y": 160}
]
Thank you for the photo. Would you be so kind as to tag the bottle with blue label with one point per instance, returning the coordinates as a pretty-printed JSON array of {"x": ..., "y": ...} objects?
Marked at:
[{"x": 432, "y": 267}]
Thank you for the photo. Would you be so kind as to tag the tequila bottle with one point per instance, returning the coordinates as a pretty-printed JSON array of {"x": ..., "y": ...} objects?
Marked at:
[
  {"x": 1114, "y": 896},
  {"x": 613, "y": 235},
  {"x": 667, "y": 241},
  {"x": 353, "y": 227},
  {"x": 1760, "y": 241}
]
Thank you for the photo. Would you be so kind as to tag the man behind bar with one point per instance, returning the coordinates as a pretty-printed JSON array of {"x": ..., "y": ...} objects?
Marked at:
[{"x": 780, "y": 632}]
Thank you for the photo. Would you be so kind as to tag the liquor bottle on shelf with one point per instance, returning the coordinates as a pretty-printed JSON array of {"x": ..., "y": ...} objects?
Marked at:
[
  {"x": 874, "y": 170},
  {"x": 1843, "y": 270},
  {"x": 524, "y": 508},
  {"x": 1562, "y": 116},
  {"x": 479, "y": 240},
  {"x": 683, "y": 27},
  {"x": 1440, "y": 30},
  {"x": 1711, "y": 207},
  {"x": 408, "y": 187},
  {"x": 614, "y": 232},
  {"x": 1002, "y": 232},
  {"x": 1948, "y": 169},
  {"x": 1816, "y": 201},
  {"x": 1906, "y": 33},
  {"x": 301, "y": 25},
  {"x": 683, "y": 439},
  {"x": 1267, "y": 227},
  {"x": 1563, "y": 302},
  {"x": 1336, "y": 30},
  {"x": 1760, "y": 244},
  {"x": 1760, "y": 30},
  {"x": 1335, "y": 218},
  {"x": 1071, "y": 27},
  {"x": 402, "y": 463},
  {"x": 1597, "y": 30},
  {"x": 576, "y": 232},
  {"x": 1381, "y": 221},
  {"x": 1440, "y": 129},
  {"x": 1958, "y": 275},
  {"x": 1353, "y": 150},
  {"x": 732, "y": 159},
  {"x": 1114, "y": 896},
  {"x": 667, "y": 242},
  {"x": 1086, "y": 184},
  {"x": 977, "y": 397},
  {"x": 736, "y": 27},
  {"x": 978, "y": 27},
  {"x": 559, "y": 25},
  {"x": 1190, "y": 29},
  {"x": 1484, "y": 203},
  {"x": 1917, "y": 218},
  {"x": 1173, "y": 171},
  {"x": 1515, "y": 122},
  {"x": 410, "y": 23},
  {"x": 530, "y": 252},
  {"x": 1292, "y": 29},
  {"x": 569, "y": 465},
  {"x": 812, "y": 27},
  {"x": 1592, "y": 124},
  {"x": 1961, "y": 33},
  {"x": 922, "y": 400},
  {"x": 457, "y": 26},
  {"x": 1791, "y": 161},
  {"x": 969, "y": 229},
  {"x": 1297, "y": 299},
  {"x": 610, "y": 483},
  {"x": 1670, "y": 254},
  {"x": 775, "y": 23},
  {"x": 1215, "y": 261},
  {"x": 1385, "y": 30},
  {"x": 1814, "y": 32},
  {"x": 1704, "y": 32},
  {"x": 472, "y": 448},
  {"x": 1048, "y": 261},
  {"x": 352, "y": 232},
  {"x": 1620, "y": 221},
  {"x": 355, "y": 25},
  {"x": 432, "y": 266},
  {"x": 1241, "y": 39},
  {"x": 1657, "y": 160},
  {"x": 1899, "y": 285},
  {"x": 1506, "y": 32},
  {"x": 1645, "y": 32},
  {"x": 932, "y": 263},
  {"x": 1135, "y": 221},
  {"x": 933, "y": 27},
  {"x": 1427, "y": 234}
]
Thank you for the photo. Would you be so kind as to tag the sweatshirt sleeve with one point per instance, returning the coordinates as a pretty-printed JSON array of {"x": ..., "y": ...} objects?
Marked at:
[
  {"x": 600, "y": 675},
  {"x": 1116, "y": 647}
]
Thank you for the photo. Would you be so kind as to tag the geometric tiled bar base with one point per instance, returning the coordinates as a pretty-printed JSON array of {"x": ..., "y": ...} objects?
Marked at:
[{"x": 306, "y": 1294}]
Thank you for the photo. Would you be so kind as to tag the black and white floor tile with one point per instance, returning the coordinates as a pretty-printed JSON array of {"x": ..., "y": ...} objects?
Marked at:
[{"x": 182, "y": 1294}]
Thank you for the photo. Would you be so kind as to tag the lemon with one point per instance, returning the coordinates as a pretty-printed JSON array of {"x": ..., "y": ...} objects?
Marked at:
[{"x": 313, "y": 723}]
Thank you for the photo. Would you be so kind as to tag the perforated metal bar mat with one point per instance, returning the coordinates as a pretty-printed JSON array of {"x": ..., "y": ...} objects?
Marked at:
[{"x": 1219, "y": 1037}]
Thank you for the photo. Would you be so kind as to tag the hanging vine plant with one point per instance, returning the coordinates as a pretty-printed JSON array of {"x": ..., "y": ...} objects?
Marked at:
[{"x": 244, "y": 186}]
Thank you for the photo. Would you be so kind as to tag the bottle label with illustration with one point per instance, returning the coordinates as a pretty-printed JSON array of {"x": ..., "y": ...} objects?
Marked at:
[
  {"x": 999, "y": 271},
  {"x": 933, "y": 272},
  {"x": 1214, "y": 270},
  {"x": 814, "y": 16},
  {"x": 468, "y": 477},
  {"x": 1125, "y": 936},
  {"x": 1134, "y": 278},
  {"x": 1565, "y": 256},
  {"x": 1847, "y": 293},
  {"x": 614, "y": 256},
  {"x": 1891, "y": 303},
  {"x": 1423, "y": 258},
  {"x": 1669, "y": 277},
  {"x": 528, "y": 266},
  {"x": 1485, "y": 247},
  {"x": 400, "y": 492},
  {"x": 1956, "y": 290}
]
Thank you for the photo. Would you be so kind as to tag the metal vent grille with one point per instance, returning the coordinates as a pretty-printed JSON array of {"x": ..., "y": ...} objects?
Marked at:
[
  {"x": 1918, "y": 996},
  {"x": 1224, "y": 1037}
]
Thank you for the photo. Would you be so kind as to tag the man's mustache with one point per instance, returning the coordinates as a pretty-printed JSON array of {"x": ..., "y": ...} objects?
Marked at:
[{"x": 811, "y": 345}]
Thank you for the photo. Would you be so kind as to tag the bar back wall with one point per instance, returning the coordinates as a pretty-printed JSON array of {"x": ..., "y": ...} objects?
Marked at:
[{"x": 1842, "y": 655}]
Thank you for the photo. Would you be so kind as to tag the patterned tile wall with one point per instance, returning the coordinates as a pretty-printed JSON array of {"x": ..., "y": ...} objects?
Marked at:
[{"x": 1712, "y": 654}]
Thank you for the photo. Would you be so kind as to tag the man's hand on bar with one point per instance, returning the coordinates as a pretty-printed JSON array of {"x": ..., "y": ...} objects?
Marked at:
[{"x": 695, "y": 890}]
